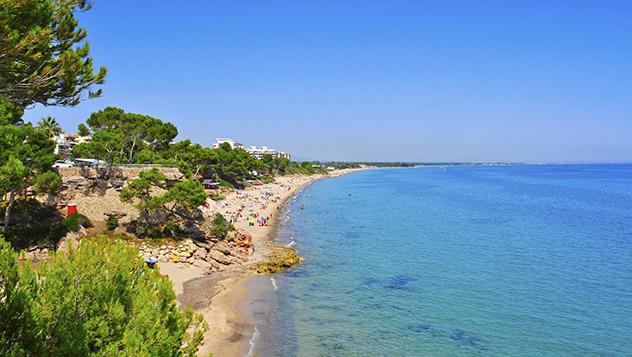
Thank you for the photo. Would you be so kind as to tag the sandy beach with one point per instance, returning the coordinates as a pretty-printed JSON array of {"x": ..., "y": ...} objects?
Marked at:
[{"x": 225, "y": 298}]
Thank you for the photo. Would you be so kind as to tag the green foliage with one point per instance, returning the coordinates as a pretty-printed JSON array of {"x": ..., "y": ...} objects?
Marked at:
[
  {"x": 50, "y": 126},
  {"x": 178, "y": 203},
  {"x": 45, "y": 58},
  {"x": 10, "y": 113},
  {"x": 47, "y": 182},
  {"x": 34, "y": 224},
  {"x": 97, "y": 300},
  {"x": 119, "y": 137},
  {"x": 230, "y": 165},
  {"x": 220, "y": 227},
  {"x": 217, "y": 196},
  {"x": 75, "y": 221},
  {"x": 305, "y": 168},
  {"x": 83, "y": 130},
  {"x": 111, "y": 222},
  {"x": 140, "y": 189},
  {"x": 26, "y": 156},
  {"x": 187, "y": 194}
]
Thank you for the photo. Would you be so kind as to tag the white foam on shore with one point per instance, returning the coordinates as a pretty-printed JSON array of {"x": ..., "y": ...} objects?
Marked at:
[
  {"x": 253, "y": 341},
  {"x": 292, "y": 242},
  {"x": 274, "y": 283}
]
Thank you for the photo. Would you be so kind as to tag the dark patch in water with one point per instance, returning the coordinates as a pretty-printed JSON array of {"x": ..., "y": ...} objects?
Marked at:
[
  {"x": 332, "y": 346},
  {"x": 465, "y": 338},
  {"x": 326, "y": 266},
  {"x": 297, "y": 274},
  {"x": 426, "y": 329},
  {"x": 370, "y": 281},
  {"x": 352, "y": 235},
  {"x": 420, "y": 328},
  {"x": 400, "y": 282},
  {"x": 401, "y": 308}
]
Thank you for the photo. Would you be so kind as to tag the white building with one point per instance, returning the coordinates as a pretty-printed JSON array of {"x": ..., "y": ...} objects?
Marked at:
[
  {"x": 258, "y": 153},
  {"x": 65, "y": 142},
  {"x": 233, "y": 144},
  {"x": 254, "y": 151}
]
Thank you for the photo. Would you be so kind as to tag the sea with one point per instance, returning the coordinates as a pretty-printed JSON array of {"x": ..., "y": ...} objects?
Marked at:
[{"x": 521, "y": 260}]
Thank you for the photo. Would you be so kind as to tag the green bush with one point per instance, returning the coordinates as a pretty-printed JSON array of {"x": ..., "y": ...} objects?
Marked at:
[
  {"x": 75, "y": 221},
  {"x": 216, "y": 196},
  {"x": 220, "y": 227},
  {"x": 97, "y": 300},
  {"x": 111, "y": 222}
]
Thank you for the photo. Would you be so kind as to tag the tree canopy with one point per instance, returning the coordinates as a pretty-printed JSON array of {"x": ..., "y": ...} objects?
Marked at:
[
  {"x": 119, "y": 136},
  {"x": 50, "y": 126},
  {"x": 44, "y": 55},
  {"x": 163, "y": 210},
  {"x": 97, "y": 300},
  {"x": 26, "y": 156}
]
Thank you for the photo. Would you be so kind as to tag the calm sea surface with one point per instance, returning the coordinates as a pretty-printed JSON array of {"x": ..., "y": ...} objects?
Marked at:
[{"x": 461, "y": 261}]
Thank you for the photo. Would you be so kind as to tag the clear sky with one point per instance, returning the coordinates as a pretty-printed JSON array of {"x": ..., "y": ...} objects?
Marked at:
[{"x": 374, "y": 80}]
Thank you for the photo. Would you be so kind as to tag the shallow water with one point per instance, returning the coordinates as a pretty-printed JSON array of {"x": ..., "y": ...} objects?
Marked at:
[{"x": 490, "y": 261}]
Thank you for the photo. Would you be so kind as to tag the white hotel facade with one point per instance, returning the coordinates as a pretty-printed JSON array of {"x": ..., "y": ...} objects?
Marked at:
[{"x": 256, "y": 152}]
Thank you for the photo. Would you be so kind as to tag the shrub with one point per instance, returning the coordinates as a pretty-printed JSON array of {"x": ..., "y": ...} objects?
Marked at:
[
  {"x": 220, "y": 227},
  {"x": 111, "y": 222},
  {"x": 97, "y": 300},
  {"x": 75, "y": 221},
  {"x": 216, "y": 196}
]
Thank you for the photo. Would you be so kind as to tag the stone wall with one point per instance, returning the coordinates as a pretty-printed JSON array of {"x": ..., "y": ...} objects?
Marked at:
[{"x": 118, "y": 172}]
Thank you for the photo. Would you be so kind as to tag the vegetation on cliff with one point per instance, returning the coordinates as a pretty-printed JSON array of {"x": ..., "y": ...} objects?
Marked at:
[
  {"x": 220, "y": 227},
  {"x": 163, "y": 214},
  {"x": 99, "y": 299}
]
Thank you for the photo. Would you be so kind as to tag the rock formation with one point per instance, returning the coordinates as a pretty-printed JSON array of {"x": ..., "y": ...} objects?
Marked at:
[{"x": 213, "y": 255}]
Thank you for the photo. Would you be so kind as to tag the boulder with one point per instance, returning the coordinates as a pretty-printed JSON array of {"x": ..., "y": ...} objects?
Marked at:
[
  {"x": 200, "y": 253},
  {"x": 202, "y": 264},
  {"x": 281, "y": 258},
  {"x": 219, "y": 257},
  {"x": 222, "y": 247}
]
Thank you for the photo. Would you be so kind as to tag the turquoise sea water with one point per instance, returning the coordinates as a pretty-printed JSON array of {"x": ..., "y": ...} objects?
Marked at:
[{"x": 461, "y": 261}]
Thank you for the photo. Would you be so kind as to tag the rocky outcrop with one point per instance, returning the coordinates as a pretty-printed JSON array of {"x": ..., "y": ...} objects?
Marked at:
[
  {"x": 212, "y": 255},
  {"x": 280, "y": 259}
]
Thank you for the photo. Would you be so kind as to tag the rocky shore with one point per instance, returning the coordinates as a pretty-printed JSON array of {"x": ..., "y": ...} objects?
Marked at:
[
  {"x": 280, "y": 259},
  {"x": 211, "y": 256}
]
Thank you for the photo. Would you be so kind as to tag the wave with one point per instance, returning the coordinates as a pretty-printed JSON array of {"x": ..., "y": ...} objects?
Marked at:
[
  {"x": 253, "y": 341},
  {"x": 274, "y": 283}
]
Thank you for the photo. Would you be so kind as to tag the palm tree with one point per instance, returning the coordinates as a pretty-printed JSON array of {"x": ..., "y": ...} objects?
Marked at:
[{"x": 50, "y": 126}]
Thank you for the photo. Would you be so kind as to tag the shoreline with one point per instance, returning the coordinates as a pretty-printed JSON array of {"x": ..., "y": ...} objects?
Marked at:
[{"x": 227, "y": 299}]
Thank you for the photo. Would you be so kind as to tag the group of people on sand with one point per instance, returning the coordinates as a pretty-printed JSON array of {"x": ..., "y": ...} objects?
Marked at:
[
  {"x": 246, "y": 205},
  {"x": 249, "y": 205}
]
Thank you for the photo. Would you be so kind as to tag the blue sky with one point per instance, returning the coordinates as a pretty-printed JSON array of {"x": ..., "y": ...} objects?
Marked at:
[{"x": 374, "y": 80}]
